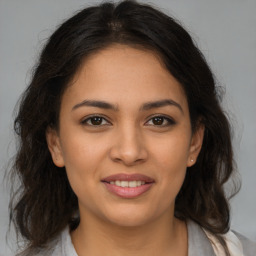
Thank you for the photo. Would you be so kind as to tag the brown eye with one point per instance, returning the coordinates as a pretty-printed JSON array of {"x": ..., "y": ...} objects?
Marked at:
[
  {"x": 157, "y": 120},
  {"x": 95, "y": 121},
  {"x": 160, "y": 121}
]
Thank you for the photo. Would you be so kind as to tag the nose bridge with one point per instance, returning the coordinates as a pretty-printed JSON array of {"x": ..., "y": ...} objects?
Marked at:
[{"x": 128, "y": 145}]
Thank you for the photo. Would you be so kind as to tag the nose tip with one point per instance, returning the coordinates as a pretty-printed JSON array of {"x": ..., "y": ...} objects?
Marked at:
[
  {"x": 129, "y": 151},
  {"x": 128, "y": 159}
]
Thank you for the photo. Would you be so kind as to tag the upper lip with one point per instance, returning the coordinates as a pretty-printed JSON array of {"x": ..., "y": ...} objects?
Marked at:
[{"x": 128, "y": 177}]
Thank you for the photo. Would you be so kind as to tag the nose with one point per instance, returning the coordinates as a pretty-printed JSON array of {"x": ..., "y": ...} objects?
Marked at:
[{"x": 128, "y": 147}]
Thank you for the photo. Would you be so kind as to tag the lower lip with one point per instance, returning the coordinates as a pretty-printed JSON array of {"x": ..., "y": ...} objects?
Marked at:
[{"x": 128, "y": 192}]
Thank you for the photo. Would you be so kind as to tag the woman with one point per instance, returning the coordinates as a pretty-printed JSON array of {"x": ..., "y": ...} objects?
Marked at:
[{"x": 124, "y": 146}]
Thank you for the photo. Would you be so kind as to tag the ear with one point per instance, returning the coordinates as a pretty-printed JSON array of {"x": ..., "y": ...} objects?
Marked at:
[
  {"x": 196, "y": 145},
  {"x": 54, "y": 147}
]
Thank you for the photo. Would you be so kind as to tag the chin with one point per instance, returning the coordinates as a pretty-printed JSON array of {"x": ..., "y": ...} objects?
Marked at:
[
  {"x": 128, "y": 217},
  {"x": 128, "y": 222}
]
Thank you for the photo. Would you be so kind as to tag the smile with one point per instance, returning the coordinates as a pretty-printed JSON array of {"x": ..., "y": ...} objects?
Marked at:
[{"x": 128, "y": 185}]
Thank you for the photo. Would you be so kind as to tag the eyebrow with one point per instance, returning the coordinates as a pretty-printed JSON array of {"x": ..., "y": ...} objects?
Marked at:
[
  {"x": 95, "y": 103},
  {"x": 144, "y": 107},
  {"x": 159, "y": 104}
]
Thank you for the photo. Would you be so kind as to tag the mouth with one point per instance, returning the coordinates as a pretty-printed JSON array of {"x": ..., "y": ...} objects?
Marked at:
[{"x": 128, "y": 185}]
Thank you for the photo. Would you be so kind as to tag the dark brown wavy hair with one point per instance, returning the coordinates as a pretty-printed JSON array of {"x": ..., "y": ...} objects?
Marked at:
[{"x": 44, "y": 204}]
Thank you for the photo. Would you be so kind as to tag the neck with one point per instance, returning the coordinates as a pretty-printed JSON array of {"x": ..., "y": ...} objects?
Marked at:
[{"x": 163, "y": 236}]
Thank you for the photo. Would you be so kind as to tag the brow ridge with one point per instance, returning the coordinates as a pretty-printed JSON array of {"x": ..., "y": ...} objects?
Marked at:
[
  {"x": 146, "y": 106},
  {"x": 159, "y": 104},
  {"x": 95, "y": 103}
]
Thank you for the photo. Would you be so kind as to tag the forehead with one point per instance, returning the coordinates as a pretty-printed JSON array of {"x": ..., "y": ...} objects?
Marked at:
[{"x": 121, "y": 73}]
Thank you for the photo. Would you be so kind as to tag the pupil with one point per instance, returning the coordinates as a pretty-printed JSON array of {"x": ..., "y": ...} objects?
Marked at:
[
  {"x": 158, "y": 120},
  {"x": 96, "y": 120}
]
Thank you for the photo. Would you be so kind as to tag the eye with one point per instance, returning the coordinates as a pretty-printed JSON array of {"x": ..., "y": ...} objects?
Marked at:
[
  {"x": 160, "y": 121},
  {"x": 95, "y": 121}
]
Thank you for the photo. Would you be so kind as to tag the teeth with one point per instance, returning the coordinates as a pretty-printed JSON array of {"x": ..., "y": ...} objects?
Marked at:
[
  {"x": 132, "y": 184},
  {"x": 126, "y": 184}
]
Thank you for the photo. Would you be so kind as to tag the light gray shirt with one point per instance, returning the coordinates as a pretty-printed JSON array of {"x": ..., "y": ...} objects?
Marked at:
[{"x": 198, "y": 244}]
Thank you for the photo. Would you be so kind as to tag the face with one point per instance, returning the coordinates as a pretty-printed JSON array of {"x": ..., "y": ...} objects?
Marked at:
[{"x": 125, "y": 137}]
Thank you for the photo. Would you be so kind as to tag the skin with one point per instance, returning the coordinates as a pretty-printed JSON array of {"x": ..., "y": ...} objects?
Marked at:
[{"x": 129, "y": 141}]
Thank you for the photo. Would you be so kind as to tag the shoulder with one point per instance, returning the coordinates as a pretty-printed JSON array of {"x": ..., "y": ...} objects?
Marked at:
[
  {"x": 60, "y": 246},
  {"x": 63, "y": 245},
  {"x": 249, "y": 247},
  {"x": 209, "y": 244},
  {"x": 236, "y": 243}
]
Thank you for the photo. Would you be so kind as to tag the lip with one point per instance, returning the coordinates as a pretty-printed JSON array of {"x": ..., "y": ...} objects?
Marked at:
[
  {"x": 126, "y": 192},
  {"x": 128, "y": 177}
]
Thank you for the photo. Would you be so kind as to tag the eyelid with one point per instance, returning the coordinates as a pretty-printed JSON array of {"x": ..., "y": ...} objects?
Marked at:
[
  {"x": 86, "y": 118},
  {"x": 169, "y": 119}
]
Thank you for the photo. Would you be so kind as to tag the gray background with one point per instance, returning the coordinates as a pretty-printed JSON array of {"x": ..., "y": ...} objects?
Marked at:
[{"x": 225, "y": 30}]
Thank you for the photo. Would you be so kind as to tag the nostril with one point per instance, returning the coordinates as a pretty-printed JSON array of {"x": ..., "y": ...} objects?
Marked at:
[{"x": 128, "y": 152}]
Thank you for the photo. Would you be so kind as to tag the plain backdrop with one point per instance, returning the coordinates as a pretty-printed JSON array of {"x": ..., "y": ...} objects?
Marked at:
[{"x": 225, "y": 30}]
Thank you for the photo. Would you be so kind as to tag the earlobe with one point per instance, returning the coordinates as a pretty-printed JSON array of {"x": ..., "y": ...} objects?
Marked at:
[
  {"x": 54, "y": 147},
  {"x": 196, "y": 145}
]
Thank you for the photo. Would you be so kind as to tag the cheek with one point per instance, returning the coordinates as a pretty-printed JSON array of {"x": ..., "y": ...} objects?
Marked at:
[
  {"x": 82, "y": 158},
  {"x": 171, "y": 162},
  {"x": 172, "y": 153},
  {"x": 82, "y": 150}
]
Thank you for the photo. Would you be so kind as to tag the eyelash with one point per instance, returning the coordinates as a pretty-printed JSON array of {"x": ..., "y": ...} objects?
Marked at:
[
  {"x": 169, "y": 121},
  {"x": 84, "y": 122}
]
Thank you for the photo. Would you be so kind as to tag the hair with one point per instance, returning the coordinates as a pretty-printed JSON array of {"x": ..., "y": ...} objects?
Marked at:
[{"x": 40, "y": 210}]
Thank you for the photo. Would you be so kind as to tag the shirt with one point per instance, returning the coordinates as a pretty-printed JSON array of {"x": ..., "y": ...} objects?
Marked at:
[{"x": 198, "y": 244}]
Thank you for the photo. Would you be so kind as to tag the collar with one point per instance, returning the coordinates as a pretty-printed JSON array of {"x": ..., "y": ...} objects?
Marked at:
[{"x": 198, "y": 243}]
